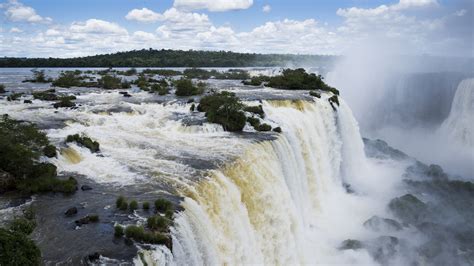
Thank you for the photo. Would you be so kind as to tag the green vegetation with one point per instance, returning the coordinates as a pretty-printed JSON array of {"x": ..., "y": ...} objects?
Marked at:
[
  {"x": 14, "y": 96},
  {"x": 2, "y": 88},
  {"x": 298, "y": 79},
  {"x": 163, "y": 205},
  {"x": 139, "y": 234},
  {"x": 68, "y": 79},
  {"x": 21, "y": 147},
  {"x": 120, "y": 200},
  {"x": 224, "y": 108},
  {"x": 256, "y": 81},
  {"x": 333, "y": 99},
  {"x": 48, "y": 95},
  {"x": 118, "y": 231},
  {"x": 315, "y": 94},
  {"x": 129, "y": 72},
  {"x": 109, "y": 82},
  {"x": 49, "y": 151},
  {"x": 133, "y": 205},
  {"x": 162, "y": 72},
  {"x": 162, "y": 87},
  {"x": 65, "y": 101},
  {"x": 258, "y": 110},
  {"x": 38, "y": 77},
  {"x": 15, "y": 246},
  {"x": 84, "y": 141},
  {"x": 185, "y": 87},
  {"x": 146, "y": 205},
  {"x": 172, "y": 58},
  {"x": 157, "y": 222}
]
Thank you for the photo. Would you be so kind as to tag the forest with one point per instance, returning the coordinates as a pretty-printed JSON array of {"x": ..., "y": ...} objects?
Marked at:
[{"x": 172, "y": 58}]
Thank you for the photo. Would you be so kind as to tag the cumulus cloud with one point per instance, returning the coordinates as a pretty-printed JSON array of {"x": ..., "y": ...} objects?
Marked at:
[
  {"x": 97, "y": 26},
  {"x": 17, "y": 12},
  {"x": 213, "y": 5},
  {"x": 266, "y": 8},
  {"x": 143, "y": 15},
  {"x": 15, "y": 30}
]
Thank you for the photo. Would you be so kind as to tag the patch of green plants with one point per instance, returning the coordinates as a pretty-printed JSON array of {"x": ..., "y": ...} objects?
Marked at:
[
  {"x": 185, "y": 87},
  {"x": 162, "y": 205},
  {"x": 139, "y": 234},
  {"x": 258, "y": 110},
  {"x": 299, "y": 79},
  {"x": 133, "y": 205},
  {"x": 38, "y": 77},
  {"x": 14, "y": 96},
  {"x": 110, "y": 82},
  {"x": 21, "y": 146},
  {"x": 256, "y": 80},
  {"x": 118, "y": 230},
  {"x": 68, "y": 79},
  {"x": 2, "y": 88},
  {"x": 158, "y": 223},
  {"x": 224, "y": 108},
  {"x": 146, "y": 205},
  {"x": 84, "y": 141}
]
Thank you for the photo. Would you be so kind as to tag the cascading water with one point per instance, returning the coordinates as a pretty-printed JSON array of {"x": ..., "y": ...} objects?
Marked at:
[
  {"x": 459, "y": 126},
  {"x": 270, "y": 206}
]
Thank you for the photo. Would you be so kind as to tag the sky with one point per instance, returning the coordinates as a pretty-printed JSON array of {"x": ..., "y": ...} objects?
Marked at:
[{"x": 59, "y": 28}]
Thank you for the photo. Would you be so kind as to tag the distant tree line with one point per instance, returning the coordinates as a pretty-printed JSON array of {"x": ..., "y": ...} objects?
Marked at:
[{"x": 171, "y": 58}]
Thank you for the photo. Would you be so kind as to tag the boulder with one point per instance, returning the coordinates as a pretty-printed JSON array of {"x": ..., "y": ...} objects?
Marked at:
[
  {"x": 409, "y": 209},
  {"x": 71, "y": 212},
  {"x": 351, "y": 244},
  {"x": 380, "y": 224},
  {"x": 86, "y": 187}
]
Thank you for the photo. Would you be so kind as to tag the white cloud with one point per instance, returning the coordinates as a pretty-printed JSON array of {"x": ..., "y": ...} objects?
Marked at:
[
  {"x": 267, "y": 8},
  {"x": 213, "y": 5},
  {"x": 53, "y": 32},
  {"x": 97, "y": 26},
  {"x": 143, "y": 15},
  {"x": 15, "y": 30},
  {"x": 144, "y": 36},
  {"x": 461, "y": 13},
  {"x": 17, "y": 12}
]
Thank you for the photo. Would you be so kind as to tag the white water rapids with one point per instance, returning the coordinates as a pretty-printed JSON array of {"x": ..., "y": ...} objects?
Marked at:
[{"x": 282, "y": 202}]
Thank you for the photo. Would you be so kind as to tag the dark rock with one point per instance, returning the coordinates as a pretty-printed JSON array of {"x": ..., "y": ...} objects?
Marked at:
[
  {"x": 409, "y": 209},
  {"x": 315, "y": 94},
  {"x": 93, "y": 257},
  {"x": 277, "y": 129},
  {"x": 430, "y": 249},
  {"x": 420, "y": 169},
  {"x": 71, "y": 211},
  {"x": 85, "y": 188},
  {"x": 87, "y": 219},
  {"x": 381, "y": 150},
  {"x": 383, "y": 248},
  {"x": 378, "y": 224},
  {"x": 27, "y": 101},
  {"x": 351, "y": 244},
  {"x": 127, "y": 95}
]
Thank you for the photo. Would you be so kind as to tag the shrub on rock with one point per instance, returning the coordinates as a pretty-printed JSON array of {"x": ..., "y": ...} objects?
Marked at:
[
  {"x": 84, "y": 141},
  {"x": 224, "y": 108}
]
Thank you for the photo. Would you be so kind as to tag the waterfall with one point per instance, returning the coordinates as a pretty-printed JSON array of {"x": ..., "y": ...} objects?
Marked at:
[
  {"x": 459, "y": 126},
  {"x": 268, "y": 206}
]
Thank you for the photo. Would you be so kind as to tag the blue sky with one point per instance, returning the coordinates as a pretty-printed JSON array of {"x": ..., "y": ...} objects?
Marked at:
[{"x": 74, "y": 28}]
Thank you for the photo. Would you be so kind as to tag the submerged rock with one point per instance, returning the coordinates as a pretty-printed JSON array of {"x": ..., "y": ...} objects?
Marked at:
[
  {"x": 384, "y": 248},
  {"x": 87, "y": 219},
  {"x": 71, "y": 211},
  {"x": 419, "y": 169},
  {"x": 378, "y": 224},
  {"x": 351, "y": 244},
  {"x": 381, "y": 150},
  {"x": 408, "y": 208},
  {"x": 86, "y": 187}
]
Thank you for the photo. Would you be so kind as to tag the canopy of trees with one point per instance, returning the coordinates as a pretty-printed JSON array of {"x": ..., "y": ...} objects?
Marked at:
[{"x": 169, "y": 58}]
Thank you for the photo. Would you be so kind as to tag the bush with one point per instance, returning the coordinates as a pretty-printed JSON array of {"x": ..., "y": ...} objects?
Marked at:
[
  {"x": 2, "y": 88},
  {"x": 84, "y": 141},
  {"x": 23, "y": 225},
  {"x": 277, "y": 129},
  {"x": 146, "y": 205},
  {"x": 137, "y": 233},
  {"x": 119, "y": 201},
  {"x": 160, "y": 89},
  {"x": 17, "y": 249},
  {"x": 334, "y": 99},
  {"x": 118, "y": 231},
  {"x": 258, "y": 110},
  {"x": 50, "y": 151},
  {"x": 256, "y": 81},
  {"x": 162, "y": 205},
  {"x": 133, "y": 205},
  {"x": 123, "y": 206},
  {"x": 254, "y": 122},
  {"x": 45, "y": 96},
  {"x": 47, "y": 184},
  {"x": 38, "y": 77},
  {"x": 125, "y": 85},
  {"x": 298, "y": 79},
  {"x": 93, "y": 218},
  {"x": 110, "y": 82},
  {"x": 185, "y": 87},
  {"x": 14, "y": 96},
  {"x": 68, "y": 79},
  {"x": 65, "y": 102},
  {"x": 157, "y": 222},
  {"x": 315, "y": 94},
  {"x": 224, "y": 108}
]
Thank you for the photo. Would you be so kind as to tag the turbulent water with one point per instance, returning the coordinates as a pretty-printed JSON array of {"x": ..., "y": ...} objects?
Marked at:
[{"x": 247, "y": 198}]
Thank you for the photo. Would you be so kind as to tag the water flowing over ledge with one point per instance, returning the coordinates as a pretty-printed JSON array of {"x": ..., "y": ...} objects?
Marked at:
[{"x": 267, "y": 206}]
